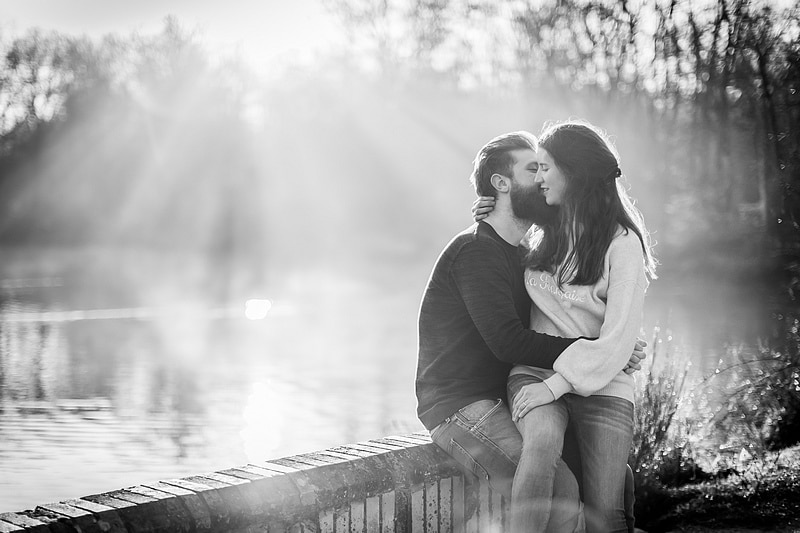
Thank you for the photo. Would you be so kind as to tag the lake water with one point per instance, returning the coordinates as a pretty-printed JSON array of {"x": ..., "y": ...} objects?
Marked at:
[{"x": 120, "y": 372}]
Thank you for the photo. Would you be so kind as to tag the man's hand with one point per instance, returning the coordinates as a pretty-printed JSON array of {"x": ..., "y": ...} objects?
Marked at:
[
  {"x": 482, "y": 207},
  {"x": 637, "y": 357},
  {"x": 530, "y": 397}
]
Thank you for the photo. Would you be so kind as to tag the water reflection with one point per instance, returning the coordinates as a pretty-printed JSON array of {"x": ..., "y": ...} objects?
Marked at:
[
  {"x": 95, "y": 398},
  {"x": 104, "y": 386},
  {"x": 264, "y": 420}
]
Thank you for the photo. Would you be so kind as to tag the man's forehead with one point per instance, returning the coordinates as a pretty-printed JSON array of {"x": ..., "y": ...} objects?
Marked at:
[{"x": 525, "y": 156}]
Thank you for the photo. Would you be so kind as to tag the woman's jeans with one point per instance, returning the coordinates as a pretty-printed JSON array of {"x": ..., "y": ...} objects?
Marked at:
[
  {"x": 603, "y": 431},
  {"x": 485, "y": 441}
]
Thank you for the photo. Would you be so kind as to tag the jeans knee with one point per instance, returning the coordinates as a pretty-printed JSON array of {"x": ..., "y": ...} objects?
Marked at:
[{"x": 547, "y": 442}]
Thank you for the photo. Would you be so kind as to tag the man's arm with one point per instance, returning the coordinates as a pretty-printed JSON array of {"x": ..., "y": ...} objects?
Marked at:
[{"x": 483, "y": 277}]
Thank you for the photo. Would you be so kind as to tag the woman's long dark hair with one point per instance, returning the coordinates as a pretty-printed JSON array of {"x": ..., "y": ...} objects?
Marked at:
[{"x": 595, "y": 204}]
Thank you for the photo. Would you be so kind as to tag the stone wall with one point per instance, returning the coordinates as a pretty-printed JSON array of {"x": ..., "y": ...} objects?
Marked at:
[{"x": 394, "y": 484}]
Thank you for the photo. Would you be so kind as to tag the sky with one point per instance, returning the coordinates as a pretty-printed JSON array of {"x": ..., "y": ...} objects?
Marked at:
[{"x": 263, "y": 31}]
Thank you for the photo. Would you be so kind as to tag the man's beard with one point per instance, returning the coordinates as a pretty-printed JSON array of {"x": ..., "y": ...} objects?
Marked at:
[{"x": 528, "y": 204}]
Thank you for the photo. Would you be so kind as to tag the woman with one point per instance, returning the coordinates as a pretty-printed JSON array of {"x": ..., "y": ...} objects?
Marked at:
[{"x": 586, "y": 273}]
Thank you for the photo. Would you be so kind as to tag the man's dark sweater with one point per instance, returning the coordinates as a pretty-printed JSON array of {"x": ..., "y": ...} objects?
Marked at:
[{"x": 473, "y": 325}]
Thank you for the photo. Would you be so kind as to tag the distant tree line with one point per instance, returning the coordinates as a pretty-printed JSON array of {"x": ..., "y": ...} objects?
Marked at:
[
  {"x": 702, "y": 98},
  {"x": 129, "y": 140},
  {"x": 707, "y": 92}
]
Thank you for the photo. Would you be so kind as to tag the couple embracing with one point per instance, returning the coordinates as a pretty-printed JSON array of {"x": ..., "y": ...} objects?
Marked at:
[{"x": 528, "y": 331}]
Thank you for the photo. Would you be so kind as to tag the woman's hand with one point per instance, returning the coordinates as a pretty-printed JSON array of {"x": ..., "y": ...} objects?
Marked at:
[
  {"x": 529, "y": 397},
  {"x": 482, "y": 207},
  {"x": 638, "y": 355}
]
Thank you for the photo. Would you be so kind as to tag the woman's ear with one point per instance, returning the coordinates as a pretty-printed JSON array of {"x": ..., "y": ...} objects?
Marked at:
[{"x": 500, "y": 182}]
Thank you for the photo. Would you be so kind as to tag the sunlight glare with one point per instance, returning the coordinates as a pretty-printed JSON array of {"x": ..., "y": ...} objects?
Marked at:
[
  {"x": 257, "y": 309},
  {"x": 267, "y": 34},
  {"x": 264, "y": 422},
  {"x": 263, "y": 34}
]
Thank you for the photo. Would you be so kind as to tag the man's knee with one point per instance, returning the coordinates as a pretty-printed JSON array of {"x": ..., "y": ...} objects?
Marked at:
[
  {"x": 566, "y": 515},
  {"x": 565, "y": 484}
]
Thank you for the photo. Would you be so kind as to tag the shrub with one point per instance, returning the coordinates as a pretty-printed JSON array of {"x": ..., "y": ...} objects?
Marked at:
[
  {"x": 730, "y": 422},
  {"x": 760, "y": 389},
  {"x": 659, "y": 433}
]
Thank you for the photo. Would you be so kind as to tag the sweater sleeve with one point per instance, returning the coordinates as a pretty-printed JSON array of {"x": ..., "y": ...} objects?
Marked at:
[
  {"x": 483, "y": 277},
  {"x": 589, "y": 365}
]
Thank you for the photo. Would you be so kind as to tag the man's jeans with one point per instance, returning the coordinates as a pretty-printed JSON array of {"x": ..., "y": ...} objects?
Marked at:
[{"x": 485, "y": 441}]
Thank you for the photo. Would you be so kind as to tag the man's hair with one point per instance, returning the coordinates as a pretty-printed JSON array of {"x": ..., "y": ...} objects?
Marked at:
[{"x": 495, "y": 158}]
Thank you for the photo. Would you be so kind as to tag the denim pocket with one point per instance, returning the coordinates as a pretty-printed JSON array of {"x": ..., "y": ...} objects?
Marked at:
[
  {"x": 460, "y": 454},
  {"x": 473, "y": 414}
]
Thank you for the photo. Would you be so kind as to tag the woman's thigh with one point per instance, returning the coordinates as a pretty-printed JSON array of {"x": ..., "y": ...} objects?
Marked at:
[{"x": 542, "y": 428}]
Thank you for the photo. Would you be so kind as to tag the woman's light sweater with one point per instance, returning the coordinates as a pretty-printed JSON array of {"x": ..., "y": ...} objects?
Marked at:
[{"x": 609, "y": 311}]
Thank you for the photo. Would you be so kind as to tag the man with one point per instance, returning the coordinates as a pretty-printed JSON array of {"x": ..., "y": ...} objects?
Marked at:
[{"x": 473, "y": 329}]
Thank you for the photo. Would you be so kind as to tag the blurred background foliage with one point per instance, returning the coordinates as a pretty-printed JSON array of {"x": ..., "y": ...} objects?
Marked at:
[{"x": 155, "y": 141}]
